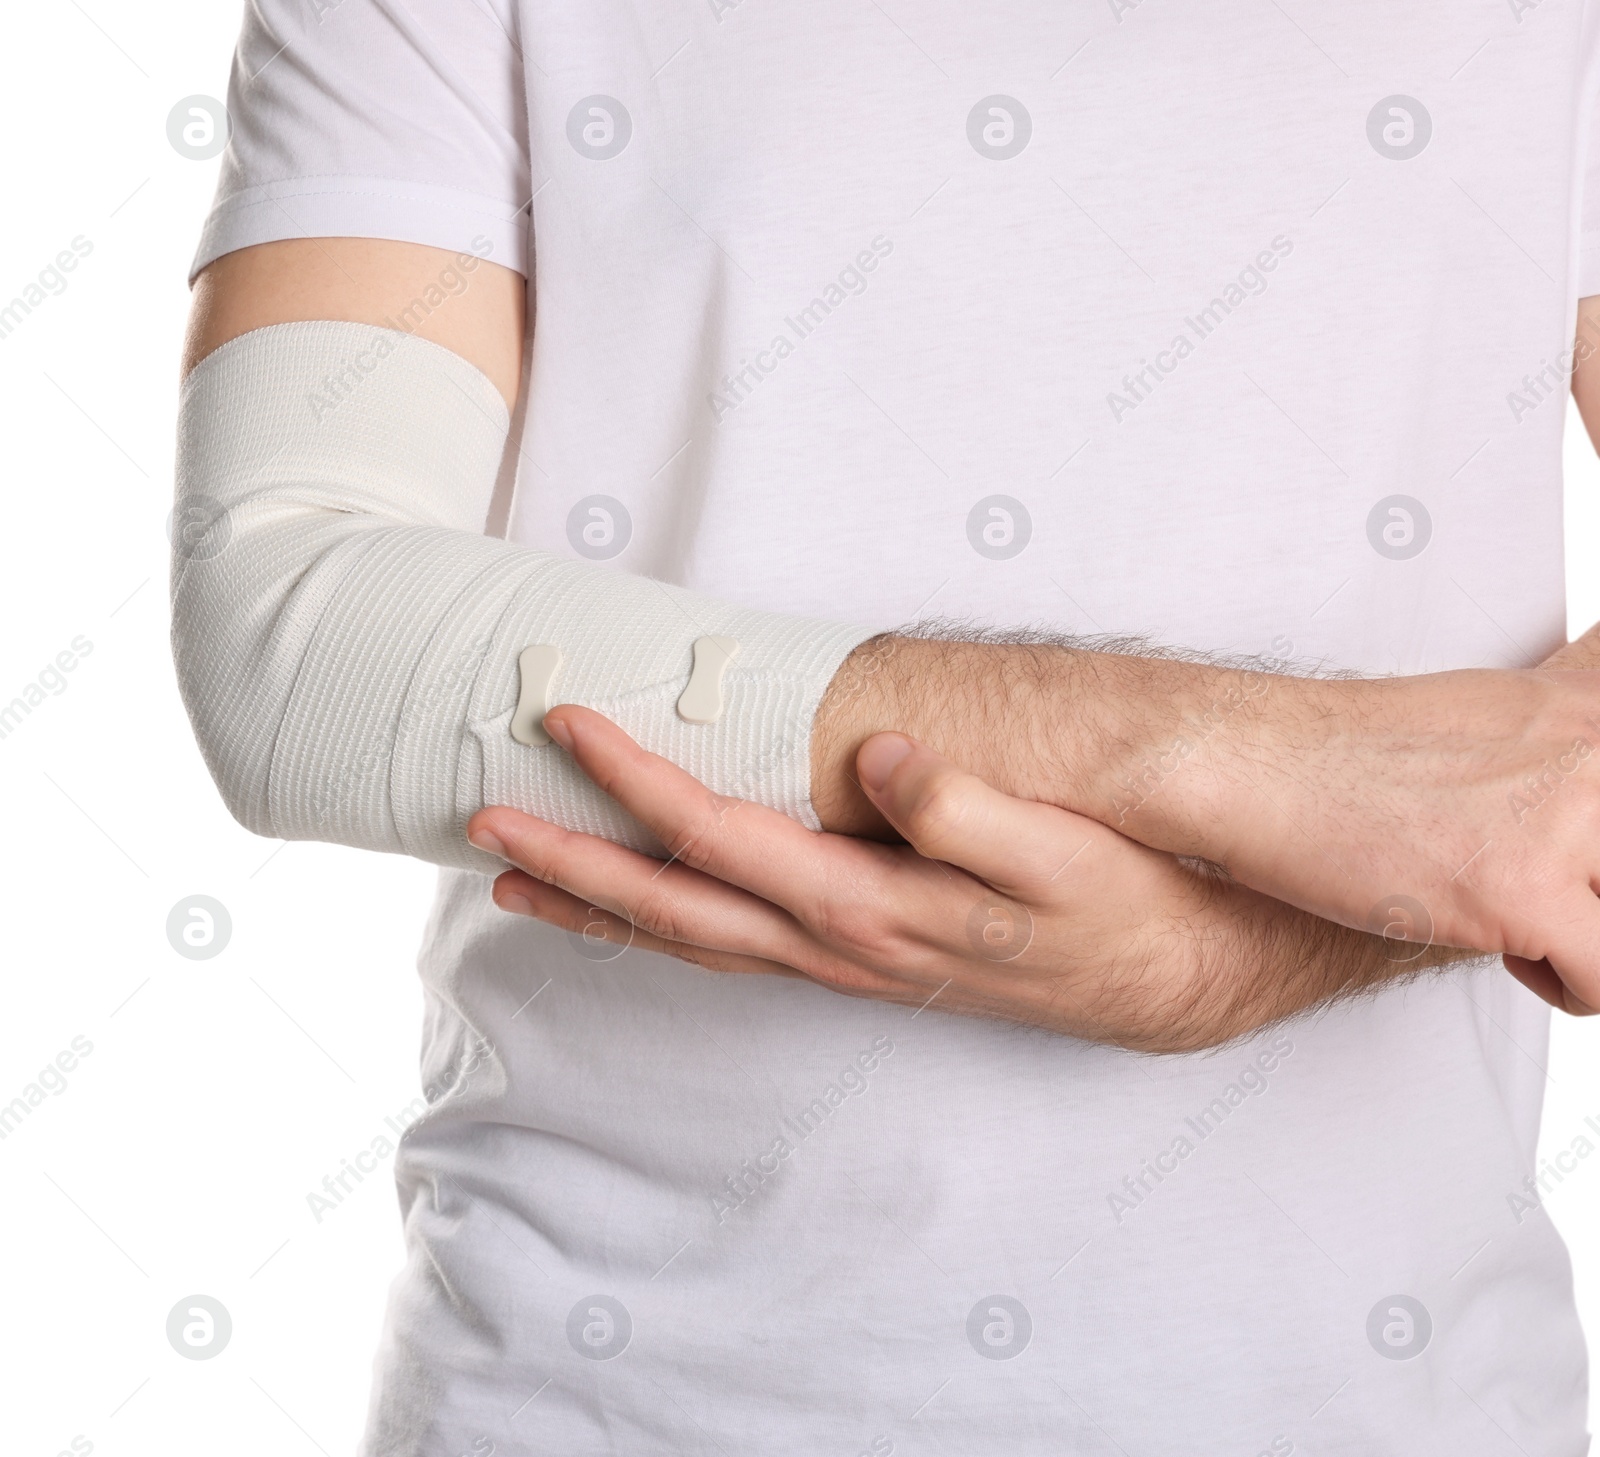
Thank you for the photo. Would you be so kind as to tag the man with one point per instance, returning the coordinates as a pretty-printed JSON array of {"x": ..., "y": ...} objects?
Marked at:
[{"x": 1241, "y": 332}]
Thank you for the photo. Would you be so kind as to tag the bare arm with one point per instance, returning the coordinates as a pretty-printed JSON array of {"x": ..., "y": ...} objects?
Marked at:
[
  {"x": 1475, "y": 795},
  {"x": 1131, "y": 946},
  {"x": 479, "y": 315},
  {"x": 995, "y": 907},
  {"x": 1287, "y": 777}
]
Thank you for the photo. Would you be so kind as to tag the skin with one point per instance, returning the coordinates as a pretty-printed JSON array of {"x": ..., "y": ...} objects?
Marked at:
[
  {"x": 362, "y": 281},
  {"x": 1143, "y": 951},
  {"x": 993, "y": 906},
  {"x": 1321, "y": 799},
  {"x": 1476, "y": 794}
]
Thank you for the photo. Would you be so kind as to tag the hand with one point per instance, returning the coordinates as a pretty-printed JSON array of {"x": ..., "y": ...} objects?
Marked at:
[
  {"x": 1467, "y": 802},
  {"x": 996, "y": 906}
]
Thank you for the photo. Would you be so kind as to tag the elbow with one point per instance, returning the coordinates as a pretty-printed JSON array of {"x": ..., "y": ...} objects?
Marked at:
[{"x": 226, "y": 705}]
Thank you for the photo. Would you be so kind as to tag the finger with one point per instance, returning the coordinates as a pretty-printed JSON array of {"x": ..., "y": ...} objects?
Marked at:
[
  {"x": 522, "y": 895},
  {"x": 1539, "y": 977},
  {"x": 1568, "y": 934},
  {"x": 1018, "y": 846},
  {"x": 1572, "y": 956},
  {"x": 867, "y": 923},
  {"x": 745, "y": 844},
  {"x": 669, "y": 900},
  {"x": 576, "y": 914}
]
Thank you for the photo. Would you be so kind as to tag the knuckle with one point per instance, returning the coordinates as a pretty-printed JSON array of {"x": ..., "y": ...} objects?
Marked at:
[
  {"x": 860, "y": 927},
  {"x": 691, "y": 847},
  {"x": 697, "y": 842},
  {"x": 939, "y": 813},
  {"x": 547, "y": 857},
  {"x": 693, "y": 955},
  {"x": 843, "y": 921},
  {"x": 626, "y": 772},
  {"x": 663, "y": 914},
  {"x": 844, "y": 977},
  {"x": 542, "y": 865}
]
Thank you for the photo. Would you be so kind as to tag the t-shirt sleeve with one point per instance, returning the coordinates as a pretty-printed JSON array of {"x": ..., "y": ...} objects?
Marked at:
[{"x": 402, "y": 119}]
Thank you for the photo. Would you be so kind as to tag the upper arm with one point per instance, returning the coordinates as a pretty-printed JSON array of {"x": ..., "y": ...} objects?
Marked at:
[
  {"x": 390, "y": 120},
  {"x": 470, "y": 306}
]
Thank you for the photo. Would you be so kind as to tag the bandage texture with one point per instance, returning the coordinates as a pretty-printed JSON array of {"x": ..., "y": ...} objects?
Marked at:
[{"x": 346, "y": 637}]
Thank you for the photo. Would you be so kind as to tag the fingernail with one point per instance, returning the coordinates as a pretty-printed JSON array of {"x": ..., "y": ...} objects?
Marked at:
[
  {"x": 486, "y": 841},
  {"x": 518, "y": 905},
  {"x": 561, "y": 731},
  {"x": 880, "y": 756}
]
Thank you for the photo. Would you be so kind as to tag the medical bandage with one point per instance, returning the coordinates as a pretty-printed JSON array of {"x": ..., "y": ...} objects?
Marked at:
[{"x": 361, "y": 664}]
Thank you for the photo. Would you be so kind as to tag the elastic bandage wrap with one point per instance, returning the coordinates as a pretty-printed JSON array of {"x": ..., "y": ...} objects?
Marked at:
[{"x": 349, "y": 644}]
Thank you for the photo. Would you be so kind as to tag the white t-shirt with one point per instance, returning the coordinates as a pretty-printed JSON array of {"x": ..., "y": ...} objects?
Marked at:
[{"x": 1236, "y": 325}]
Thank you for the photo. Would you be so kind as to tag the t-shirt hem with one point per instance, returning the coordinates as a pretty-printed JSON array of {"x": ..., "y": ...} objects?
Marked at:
[{"x": 365, "y": 207}]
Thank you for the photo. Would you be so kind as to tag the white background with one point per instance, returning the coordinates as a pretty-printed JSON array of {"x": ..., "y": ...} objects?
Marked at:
[{"x": 178, "y": 1158}]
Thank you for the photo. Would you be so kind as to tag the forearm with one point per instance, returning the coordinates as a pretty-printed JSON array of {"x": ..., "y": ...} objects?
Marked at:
[
  {"x": 1147, "y": 745},
  {"x": 1086, "y": 932},
  {"x": 1465, "y": 792},
  {"x": 1157, "y": 747},
  {"x": 1473, "y": 794},
  {"x": 1258, "y": 961}
]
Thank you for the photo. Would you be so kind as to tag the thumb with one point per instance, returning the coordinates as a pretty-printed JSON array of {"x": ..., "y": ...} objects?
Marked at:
[{"x": 945, "y": 813}]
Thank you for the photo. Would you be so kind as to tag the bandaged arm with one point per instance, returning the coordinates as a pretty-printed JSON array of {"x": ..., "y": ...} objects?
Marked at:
[{"x": 361, "y": 664}]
